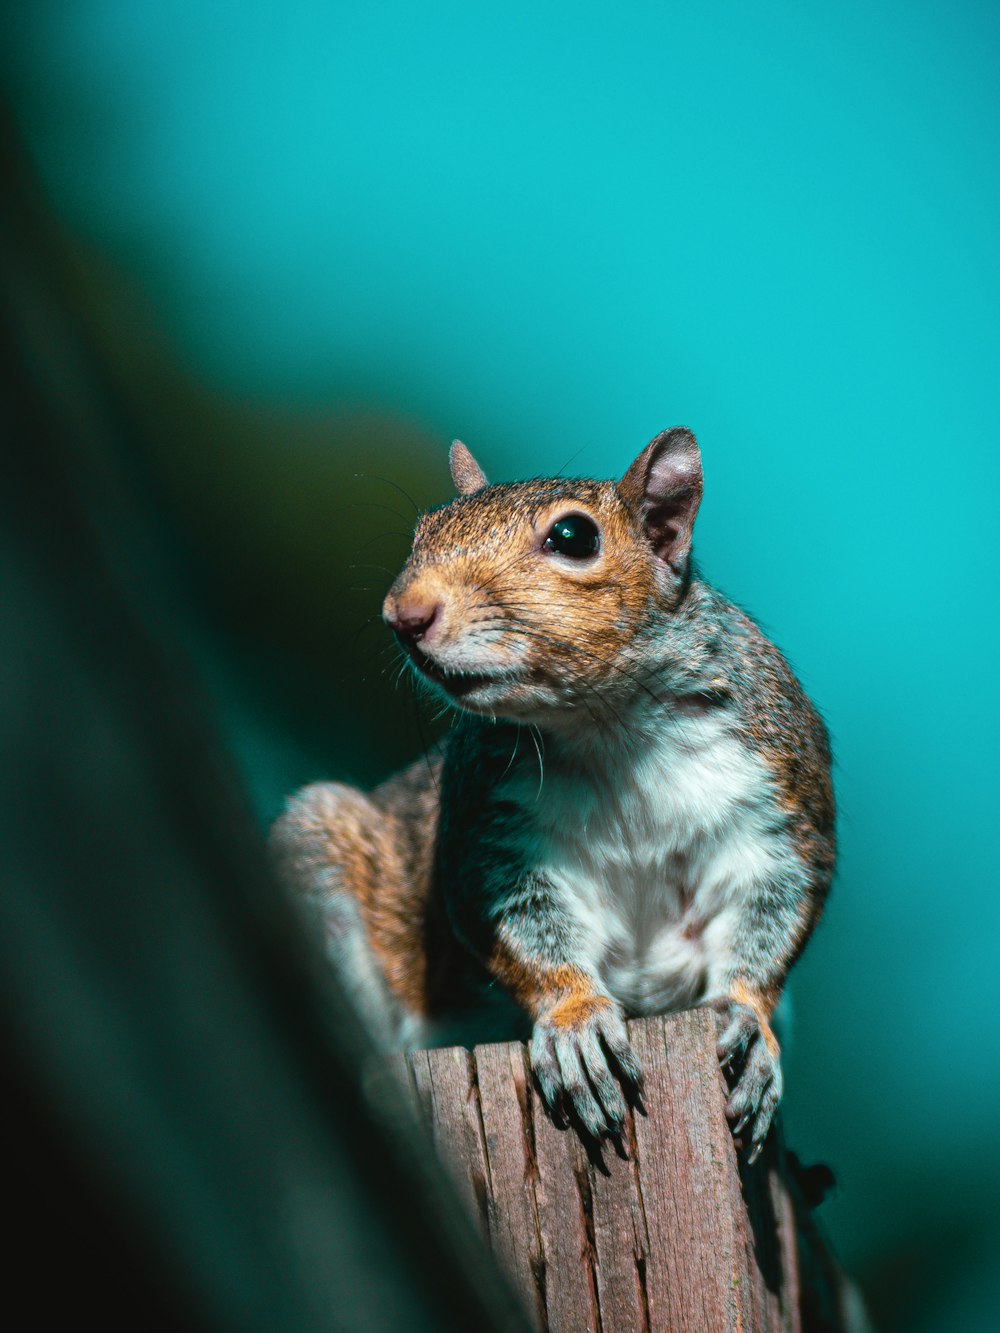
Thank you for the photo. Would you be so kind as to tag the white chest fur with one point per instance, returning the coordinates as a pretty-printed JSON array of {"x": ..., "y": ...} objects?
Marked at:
[{"x": 657, "y": 846}]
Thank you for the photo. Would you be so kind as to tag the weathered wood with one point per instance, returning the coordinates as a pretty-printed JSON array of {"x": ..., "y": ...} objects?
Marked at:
[
  {"x": 503, "y": 1083},
  {"x": 561, "y": 1189},
  {"x": 621, "y": 1245},
  {"x": 687, "y": 1175},
  {"x": 666, "y": 1233},
  {"x": 449, "y": 1098}
]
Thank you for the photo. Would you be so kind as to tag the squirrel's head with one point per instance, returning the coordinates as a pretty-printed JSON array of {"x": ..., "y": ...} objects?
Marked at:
[{"x": 530, "y": 599}]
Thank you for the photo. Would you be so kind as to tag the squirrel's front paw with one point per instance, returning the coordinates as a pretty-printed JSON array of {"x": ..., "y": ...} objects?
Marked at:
[
  {"x": 749, "y": 1053},
  {"x": 579, "y": 1053}
]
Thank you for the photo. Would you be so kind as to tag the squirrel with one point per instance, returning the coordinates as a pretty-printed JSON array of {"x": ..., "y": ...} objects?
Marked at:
[{"x": 633, "y": 813}]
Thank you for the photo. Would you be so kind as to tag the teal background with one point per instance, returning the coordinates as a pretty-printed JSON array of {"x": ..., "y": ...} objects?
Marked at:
[{"x": 553, "y": 231}]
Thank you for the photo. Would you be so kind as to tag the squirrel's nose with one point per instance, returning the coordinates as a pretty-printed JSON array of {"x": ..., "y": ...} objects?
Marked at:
[{"x": 413, "y": 619}]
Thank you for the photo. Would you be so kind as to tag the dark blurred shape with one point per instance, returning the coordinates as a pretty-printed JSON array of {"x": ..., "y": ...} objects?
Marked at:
[
  {"x": 193, "y": 1144},
  {"x": 814, "y": 1182}
]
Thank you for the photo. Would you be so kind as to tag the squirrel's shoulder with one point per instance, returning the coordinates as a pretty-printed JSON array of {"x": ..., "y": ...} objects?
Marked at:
[
  {"x": 768, "y": 694},
  {"x": 777, "y": 719}
]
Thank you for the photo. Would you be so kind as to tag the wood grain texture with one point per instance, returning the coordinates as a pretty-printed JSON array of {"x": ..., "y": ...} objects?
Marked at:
[
  {"x": 504, "y": 1092},
  {"x": 449, "y": 1097},
  {"x": 687, "y": 1175},
  {"x": 667, "y": 1232},
  {"x": 562, "y": 1197}
]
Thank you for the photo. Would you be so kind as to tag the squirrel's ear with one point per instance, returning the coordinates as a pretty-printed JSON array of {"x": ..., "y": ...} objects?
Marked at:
[
  {"x": 466, "y": 473},
  {"x": 663, "y": 489}
]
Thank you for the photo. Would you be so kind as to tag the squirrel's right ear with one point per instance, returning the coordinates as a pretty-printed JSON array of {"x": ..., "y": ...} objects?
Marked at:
[
  {"x": 663, "y": 489},
  {"x": 466, "y": 473}
]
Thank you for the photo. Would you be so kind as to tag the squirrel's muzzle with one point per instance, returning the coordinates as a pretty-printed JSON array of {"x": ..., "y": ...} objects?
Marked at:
[{"x": 412, "y": 617}]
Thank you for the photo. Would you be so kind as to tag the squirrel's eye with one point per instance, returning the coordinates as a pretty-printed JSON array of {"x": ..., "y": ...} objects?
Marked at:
[{"x": 575, "y": 535}]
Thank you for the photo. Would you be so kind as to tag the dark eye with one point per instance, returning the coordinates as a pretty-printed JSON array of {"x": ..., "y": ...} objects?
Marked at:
[{"x": 575, "y": 535}]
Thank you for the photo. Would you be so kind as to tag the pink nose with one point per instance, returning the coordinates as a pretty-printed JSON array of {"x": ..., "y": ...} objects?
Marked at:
[{"x": 413, "y": 620}]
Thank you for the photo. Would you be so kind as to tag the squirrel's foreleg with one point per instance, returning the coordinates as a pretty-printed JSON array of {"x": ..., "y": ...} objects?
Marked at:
[
  {"x": 580, "y": 1050},
  {"x": 773, "y": 923}
]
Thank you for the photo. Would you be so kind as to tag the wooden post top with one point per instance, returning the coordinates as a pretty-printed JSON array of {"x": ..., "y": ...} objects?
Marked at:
[{"x": 669, "y": 1232}]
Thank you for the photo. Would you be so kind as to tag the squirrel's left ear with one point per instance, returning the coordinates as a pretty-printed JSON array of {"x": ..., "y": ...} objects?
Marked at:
[
  {"x": 466, "y": 473},
  {"x": 663, "y": 489}
]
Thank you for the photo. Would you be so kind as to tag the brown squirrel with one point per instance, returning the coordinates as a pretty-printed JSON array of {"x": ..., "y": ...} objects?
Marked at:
[{"x": 633, "y": 814}]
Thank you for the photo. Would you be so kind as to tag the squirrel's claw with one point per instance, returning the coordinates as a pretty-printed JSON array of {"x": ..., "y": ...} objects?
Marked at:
[
  {"x": 616, "y": 1040},
  {"x": 575, "y": 1074},
  {"x": 579, "y": 1089},
  {"x": 742, "y": 1029},
  {"x": 755, "y": 1073},
  {"x": 545, "y": 1067}
]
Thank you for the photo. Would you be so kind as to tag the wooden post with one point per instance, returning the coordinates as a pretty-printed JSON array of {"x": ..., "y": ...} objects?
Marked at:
[{"x": 672, "y": 1233}]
